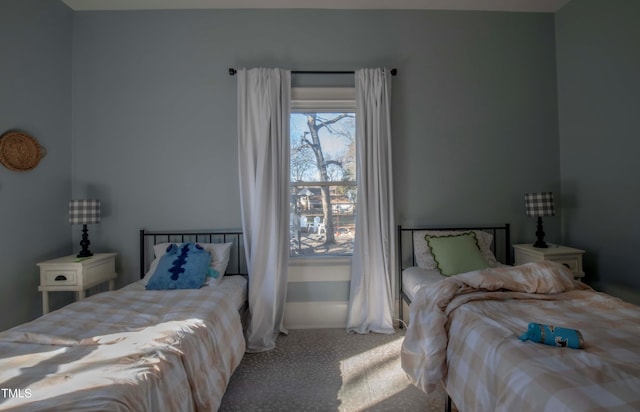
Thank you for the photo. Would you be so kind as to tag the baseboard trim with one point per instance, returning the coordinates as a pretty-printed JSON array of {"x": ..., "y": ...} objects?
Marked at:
[
  {"x": 319, "y": 315},
  {"x": 315, "y": 315}
]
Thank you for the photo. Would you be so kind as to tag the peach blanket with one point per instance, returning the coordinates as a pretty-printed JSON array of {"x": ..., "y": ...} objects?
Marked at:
[
  {"x": 126, "y": 350},
  {"x": 464, "y": 333}
]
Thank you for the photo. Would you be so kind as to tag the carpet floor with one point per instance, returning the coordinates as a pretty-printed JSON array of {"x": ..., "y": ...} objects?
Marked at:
[{"x": 327, "y": 370}]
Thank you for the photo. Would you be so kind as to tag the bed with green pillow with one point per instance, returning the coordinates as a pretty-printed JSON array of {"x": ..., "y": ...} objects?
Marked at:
[{"x": 429, "y": 254}]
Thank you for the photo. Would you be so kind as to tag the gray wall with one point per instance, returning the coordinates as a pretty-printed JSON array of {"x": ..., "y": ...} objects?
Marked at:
[
  {"x": 474, "y": 113},
  {"x": 35, "y": 97},
  {"x": 599, "y": 103},
  {"x": 153, "y": 133},
  {"x": 475, "y": 122}
]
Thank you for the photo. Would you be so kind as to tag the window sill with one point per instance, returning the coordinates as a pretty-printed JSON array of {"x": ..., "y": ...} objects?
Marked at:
[{"x": 319, "y": 260}]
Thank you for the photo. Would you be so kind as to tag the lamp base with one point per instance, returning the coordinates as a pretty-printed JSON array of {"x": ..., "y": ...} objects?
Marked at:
[
  {"x": 540, "y": 234},
  {"x": 85, "y": 252},
  {"x": 540, "y": 244}
]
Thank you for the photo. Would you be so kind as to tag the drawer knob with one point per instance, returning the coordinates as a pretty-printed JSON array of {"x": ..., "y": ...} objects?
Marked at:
[{"x": 60, "y": 277}]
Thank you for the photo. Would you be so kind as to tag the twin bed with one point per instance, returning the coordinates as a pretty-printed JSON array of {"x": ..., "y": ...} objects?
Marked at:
[
  {"x": 463, "y": 334},
  {"x": 133, "y": 348}
]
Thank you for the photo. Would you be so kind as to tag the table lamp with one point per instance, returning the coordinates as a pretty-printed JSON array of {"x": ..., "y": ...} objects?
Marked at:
[
  {"x": 84, "y": 212},
  {"x": 539, "y": 204}
]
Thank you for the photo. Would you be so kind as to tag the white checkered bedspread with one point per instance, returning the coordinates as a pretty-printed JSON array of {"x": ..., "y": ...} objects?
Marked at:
[
  {"x": 126, "y": 350},
  {"x": 464, "y": 333}
]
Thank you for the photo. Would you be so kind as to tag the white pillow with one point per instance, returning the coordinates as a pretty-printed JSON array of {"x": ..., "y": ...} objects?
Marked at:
[
  {"x": 220, "y": 253},
  {"x": 424, "y": 257}
]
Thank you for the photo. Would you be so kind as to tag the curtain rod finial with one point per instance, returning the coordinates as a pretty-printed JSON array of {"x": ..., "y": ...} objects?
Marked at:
[
  {"x": 232, "y": 71},
  {"x": 394, "y": 72}
]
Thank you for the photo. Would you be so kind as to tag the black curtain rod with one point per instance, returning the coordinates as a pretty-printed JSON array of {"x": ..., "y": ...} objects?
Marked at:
[{"x": 233, "y": 71}]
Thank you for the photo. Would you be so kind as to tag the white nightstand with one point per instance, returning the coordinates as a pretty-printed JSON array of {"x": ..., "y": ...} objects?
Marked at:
[
  {"x": 568, "y": 256},
  {"x": 70, "y": 273}
]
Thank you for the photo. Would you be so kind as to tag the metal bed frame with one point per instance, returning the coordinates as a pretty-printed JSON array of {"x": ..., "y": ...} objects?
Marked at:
[{"x": 237, "y": 260}]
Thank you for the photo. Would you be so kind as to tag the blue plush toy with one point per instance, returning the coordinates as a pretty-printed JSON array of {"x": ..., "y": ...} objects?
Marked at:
[{"x": 553, "y": 335}]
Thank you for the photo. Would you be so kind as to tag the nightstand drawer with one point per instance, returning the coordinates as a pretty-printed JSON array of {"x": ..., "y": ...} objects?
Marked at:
[
  {"x": 61, "y": 278},
  {"x": 570, "y": 262}
]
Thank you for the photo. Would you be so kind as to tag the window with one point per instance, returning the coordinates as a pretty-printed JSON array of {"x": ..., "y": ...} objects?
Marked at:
[{"x": 323, "y": 191}]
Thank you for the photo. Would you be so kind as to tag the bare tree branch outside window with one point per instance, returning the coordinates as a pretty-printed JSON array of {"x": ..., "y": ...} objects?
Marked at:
[{"x": 323, "y": 175}]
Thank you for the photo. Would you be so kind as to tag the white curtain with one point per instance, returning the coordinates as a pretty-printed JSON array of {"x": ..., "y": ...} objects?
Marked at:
[
  {"x": 371, "y": 293},
  {"x": 263, "y": 157}
]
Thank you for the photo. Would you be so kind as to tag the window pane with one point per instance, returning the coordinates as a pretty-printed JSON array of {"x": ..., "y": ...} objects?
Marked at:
[
  {"x": 323, "y": 189},
  {"x": 308, "y": 228}
]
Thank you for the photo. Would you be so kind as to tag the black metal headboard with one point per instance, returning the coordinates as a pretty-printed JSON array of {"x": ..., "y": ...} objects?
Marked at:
[{"x": 237, "y": 261}]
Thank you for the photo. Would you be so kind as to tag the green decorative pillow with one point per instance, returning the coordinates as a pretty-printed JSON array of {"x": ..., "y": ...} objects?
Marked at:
[{"x": 456, "y": 253}]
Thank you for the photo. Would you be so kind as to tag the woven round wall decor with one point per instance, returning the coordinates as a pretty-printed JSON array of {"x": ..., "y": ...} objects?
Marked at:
[{"x": 19, "y": 151}]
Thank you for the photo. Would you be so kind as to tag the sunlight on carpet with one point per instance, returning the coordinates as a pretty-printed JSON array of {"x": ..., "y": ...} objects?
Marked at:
[
  {"x": 371, "y": 377},
  {"x": 327, "y": 370}
]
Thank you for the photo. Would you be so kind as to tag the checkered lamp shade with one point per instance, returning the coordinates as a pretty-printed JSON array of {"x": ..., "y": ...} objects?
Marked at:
[
  {"x": 83, "y": 212},
  {"x": 539, "y": 204}
]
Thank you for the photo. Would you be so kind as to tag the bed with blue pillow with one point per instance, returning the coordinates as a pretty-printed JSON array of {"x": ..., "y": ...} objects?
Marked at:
[{"x": 169, "y": 341}]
